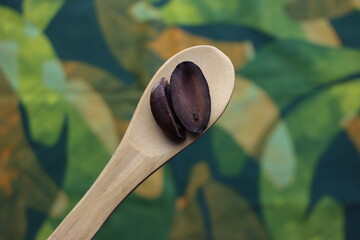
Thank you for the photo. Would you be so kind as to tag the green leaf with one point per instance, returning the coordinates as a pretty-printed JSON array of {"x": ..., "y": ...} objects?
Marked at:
[
  {"x": 231, "y": 215},
  {"x": 229, "y": 155},
  {"x": 11, "y": 25},
  {"x": 188, "y": 219},
  {"x": 9, "y": 63},
  {"x": 312, "y": 125},
  {"x": 11, "y": 30},
  {"x": 99, "y": 98},
  {"x": 95, "y": 112},
  {"x": 87, "y": 157},
  {"x": 249, "y": 116},
  {"x": 188, "y": 223},
  {"x": 278, "y": 159},
  {"x": 326, "y": 209},
  {"x": 144, "y": 11},
  {"x": 291, "y": 68},
  {"x": 311, "y": 9},
  {"x": 120, "y": 98},
  {"x": 129, "y": 49},
  {"x": 24, "y": 183},
  {"x": 40, "y": 12},
  {"x": 36, "y": 75},
  {"x": 266, "y": 16},
  {"x": 45, "y": 231}
]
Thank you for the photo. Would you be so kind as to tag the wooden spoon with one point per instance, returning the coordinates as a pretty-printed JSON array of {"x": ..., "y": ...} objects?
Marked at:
[{"x": 144, "y": 147}]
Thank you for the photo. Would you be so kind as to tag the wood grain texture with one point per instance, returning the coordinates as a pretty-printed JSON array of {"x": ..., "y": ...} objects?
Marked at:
[{"x": 144, "y": 147}]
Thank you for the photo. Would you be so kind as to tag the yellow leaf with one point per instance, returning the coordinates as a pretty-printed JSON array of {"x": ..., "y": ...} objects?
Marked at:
[
  {"x": 232, "y": 217},
  {"x": 173, "y": 40},
  {"x": 320, "y": 31},
  {"x": 311, "y": 9},
  {"x": 94, "y": 111},
  {"x": 252, "y": 113},
  {"x": 153, "y": 186},
  {"x": 353, "y": 130}
]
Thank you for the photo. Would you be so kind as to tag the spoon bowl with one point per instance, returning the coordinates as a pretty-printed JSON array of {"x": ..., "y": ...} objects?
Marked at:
[
  {"x": 144, "y": 147},
  {"x": 219, "y": 73}
]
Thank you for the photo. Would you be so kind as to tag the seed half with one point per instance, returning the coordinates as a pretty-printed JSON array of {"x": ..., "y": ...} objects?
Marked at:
[
  {"x": 190, "y": 96},
  {"x": 162, "y": 110}
]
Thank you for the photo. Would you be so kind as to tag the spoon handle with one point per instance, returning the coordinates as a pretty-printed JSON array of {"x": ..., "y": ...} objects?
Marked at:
[{"x": 126, "y": 169}]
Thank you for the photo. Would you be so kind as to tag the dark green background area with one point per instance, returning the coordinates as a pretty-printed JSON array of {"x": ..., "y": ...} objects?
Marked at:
[{"x": 282, "y": 163}]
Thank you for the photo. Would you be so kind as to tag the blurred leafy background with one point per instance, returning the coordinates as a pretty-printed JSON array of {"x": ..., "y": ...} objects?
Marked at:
[{"x": 282, "y": 163}]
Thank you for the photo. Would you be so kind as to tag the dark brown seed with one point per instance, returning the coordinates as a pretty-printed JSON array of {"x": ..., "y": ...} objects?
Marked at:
[
  {"x": 162, "y": 110},
  {"x": 190, "y": 96}
]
